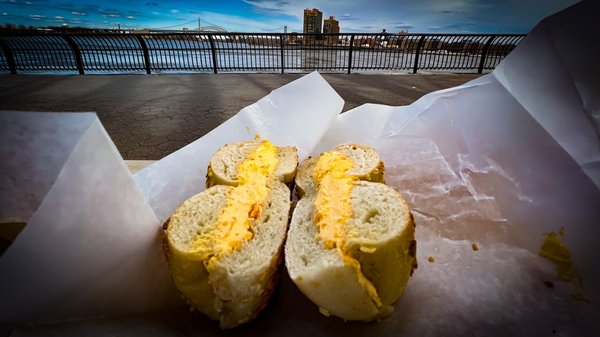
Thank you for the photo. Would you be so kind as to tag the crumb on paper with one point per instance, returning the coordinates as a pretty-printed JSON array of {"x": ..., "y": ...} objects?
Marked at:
[
  {"x": 430, "y": 259},
  {"x": 554, "y": 250},
  {"x": 474, "y": 246},
  {"x": 557, "y": 252},
  {"x": 578, "y": 295}
]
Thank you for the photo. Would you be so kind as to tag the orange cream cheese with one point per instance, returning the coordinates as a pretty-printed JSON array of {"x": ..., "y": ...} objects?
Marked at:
[
  {"x": 333, "y": 209},
  {"x": 244, "y": 205}
]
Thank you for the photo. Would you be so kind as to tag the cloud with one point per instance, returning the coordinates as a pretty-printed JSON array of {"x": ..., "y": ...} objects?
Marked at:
[
  {"x": 461, "y": 27},
  {"x": 237, "y": 23},
  {"x": 447, "y": 11},
  {"x": 4, "y": 13},
  {"x": 293, "y": 9},
  {"x": 403, "y": 25},
  {"x": 130, "y": 17},
  {"x": 269, "y": 5},
  {"x": 77, "y": 13},
  {"x": 453, "y": 7},
  {"x": 348, "y": 17},
  {"x": 17, "y": 3},
  {"x": 174, "y": 11},
  {"x": 111, "y": 13}
]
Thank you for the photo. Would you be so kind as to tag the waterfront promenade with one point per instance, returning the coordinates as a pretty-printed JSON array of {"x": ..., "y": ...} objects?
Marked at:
[{"x": 150, "y": 116}]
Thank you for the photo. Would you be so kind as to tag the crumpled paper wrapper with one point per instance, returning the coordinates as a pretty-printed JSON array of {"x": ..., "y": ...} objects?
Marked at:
[{"x": 487, "y": 167}]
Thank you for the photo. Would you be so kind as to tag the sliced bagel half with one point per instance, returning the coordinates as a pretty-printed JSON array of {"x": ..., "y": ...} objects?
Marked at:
[
  {"x": 351, "y": 247},
  {"x": 224, "y": 244}
]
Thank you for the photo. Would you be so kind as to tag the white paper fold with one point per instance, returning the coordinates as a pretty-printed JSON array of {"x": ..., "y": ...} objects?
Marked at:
[
  {"x": 31, "y": 164},
  {"x": 296, "y": 114},
  {"x": 91, "y": 247},
  {"x": 563, "y": 95}
]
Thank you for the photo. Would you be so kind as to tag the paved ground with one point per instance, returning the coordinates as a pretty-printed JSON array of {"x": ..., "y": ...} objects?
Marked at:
[{"x": 150, "y": 116}]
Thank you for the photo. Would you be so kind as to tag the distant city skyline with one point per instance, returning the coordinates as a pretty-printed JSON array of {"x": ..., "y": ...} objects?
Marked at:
[{"x": 425, "y": 16}]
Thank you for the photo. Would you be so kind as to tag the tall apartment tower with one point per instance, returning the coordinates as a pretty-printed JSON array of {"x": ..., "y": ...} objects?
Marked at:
[
  {"x": 331, "y": 26},
  {"x": 313, "y": 20}
]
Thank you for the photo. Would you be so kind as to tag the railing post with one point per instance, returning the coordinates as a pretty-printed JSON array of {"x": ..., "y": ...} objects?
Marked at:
[
  {"x": 10, "y": 57},
  {"x": 419, "y": 45},
  {"x": 146, "y": 53},
  {"x": 282, "y": 58},
  {"x": 484, "y": 54},
  {"x": 214, "y": 53},
  {"x": 350, "y": 53},
  {"x": 76, "y": 53}
]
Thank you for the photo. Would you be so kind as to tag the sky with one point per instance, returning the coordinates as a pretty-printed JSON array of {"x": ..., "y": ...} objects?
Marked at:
[{"x": 415, "y": 16}]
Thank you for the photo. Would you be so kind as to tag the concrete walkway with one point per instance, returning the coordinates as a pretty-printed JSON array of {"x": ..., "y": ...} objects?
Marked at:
[{"x": 150, "y": 116}]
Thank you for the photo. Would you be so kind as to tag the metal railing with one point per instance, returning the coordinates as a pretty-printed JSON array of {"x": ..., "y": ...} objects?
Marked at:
[{"x": 239, "y": 52}]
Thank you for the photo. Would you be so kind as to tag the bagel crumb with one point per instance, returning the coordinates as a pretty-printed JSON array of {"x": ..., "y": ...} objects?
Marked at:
[{"x": 324, "y": 311}]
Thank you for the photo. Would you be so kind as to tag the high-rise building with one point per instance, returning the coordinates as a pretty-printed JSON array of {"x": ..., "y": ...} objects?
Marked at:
[
  {"x": 313, "y": 19},
  {"x": 331, "y": 26}
]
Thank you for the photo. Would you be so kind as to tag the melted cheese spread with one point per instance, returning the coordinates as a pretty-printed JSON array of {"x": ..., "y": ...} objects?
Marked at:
[
  {"x": 333, "y": 209},
  {"x": 244, "y": 205}
]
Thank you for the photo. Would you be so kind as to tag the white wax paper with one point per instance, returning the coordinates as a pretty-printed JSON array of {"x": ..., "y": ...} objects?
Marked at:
[
  {"x": 495, "y": 162},
  {"x": 91, "y": 245},
  {"x": 497, "y": 180},
  {"x": 34, "y": 162},
  {"x": 563, "y": 95}
]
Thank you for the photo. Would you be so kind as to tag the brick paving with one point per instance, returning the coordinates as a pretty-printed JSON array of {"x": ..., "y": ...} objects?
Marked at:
[{"x": 150, "y": 116}]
